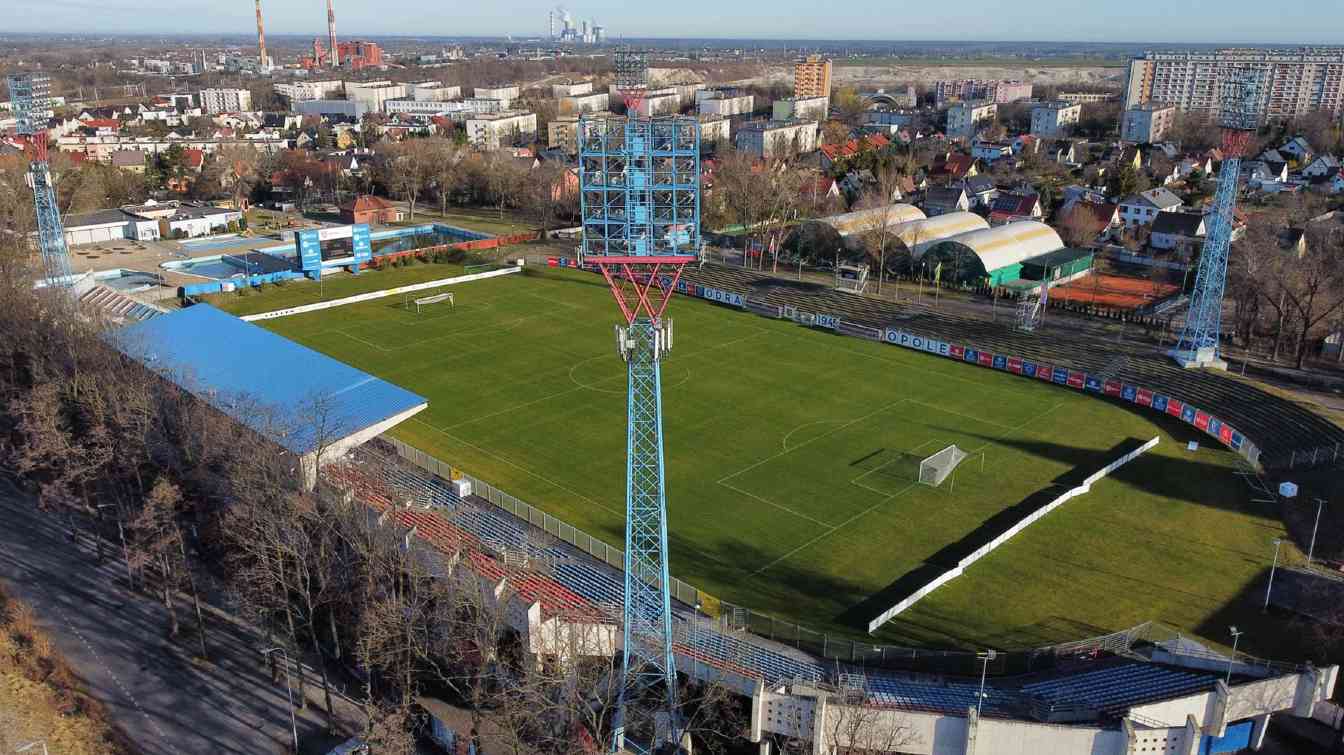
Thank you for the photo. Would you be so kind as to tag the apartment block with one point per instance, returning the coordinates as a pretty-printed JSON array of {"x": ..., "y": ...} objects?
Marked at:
[
  {"x": 585, "y": 103},
  {"x": 714, "y": 128},
  {"x": 225, "y": 100},
  {"x": 965, "y": 119},
  {"x": 373, "y": 95},
  {"x": 563, "y": 133},
  {"x": 1054, "y": 119},
  {"x": 571, "y": 90},
  {"x": 725, "y": 103},
  {"x": 505, "y": 93},
  {"x": 773, "y": 139},
  {"x": 975, "y": 90},
  {"x": 659, "y": 104},
  {"x": 1147, "y": 124},
  {"x": 1288, "y": 82},
  {"x": 801, "y": 109},
  {"x": 495, "y": 130},
  {"x": 302, "y": 91},
  {"x": 812, "y": 77},
  {"x": 434, "y": 91}
]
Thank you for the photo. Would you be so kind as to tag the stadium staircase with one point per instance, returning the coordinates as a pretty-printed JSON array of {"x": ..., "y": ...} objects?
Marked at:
[
  {"x": 492, "y": 545},
  {"x": 1277, "y": 425},
  {"x": 119, "y": 306}
]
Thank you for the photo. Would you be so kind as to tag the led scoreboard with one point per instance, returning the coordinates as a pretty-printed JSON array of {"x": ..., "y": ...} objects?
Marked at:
[{"x": 342, "y": 246}]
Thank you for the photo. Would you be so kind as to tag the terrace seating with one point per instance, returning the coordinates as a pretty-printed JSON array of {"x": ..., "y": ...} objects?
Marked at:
[
  {"x": 954, "y": 697},
  {"x": 1275, "y": 424},
  {"x": 119, "y": 305},
  {"x": 744, "y": 657},
  {"x": 1114, "y": 688}
]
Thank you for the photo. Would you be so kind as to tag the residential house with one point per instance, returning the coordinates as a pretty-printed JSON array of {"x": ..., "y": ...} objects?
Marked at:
[
  {"x": 1274, "y": 162},
  {"x": 1177, "y": 230},
  {"x": 1142, "y": 209},
  {"x": 834, "y": 153},
  {"x": 981, "y": 191},
  {"x": 1191, "y": 164},
  {"x": 369, "y": 209},
  {"x": 952, "y": 167},
  {"x": 1091, "y": 220},
  {"x": 1011, "y": 207},
  {"x": 1076, "y": 193},
  {"x": 989, "y": 152},
  {"x": 821, "y": 188},
  {"x": 944, "y": 200},
  {"x": 1261, "y": 172},
  {"x": 1063, "y": 151},
  {"x": 129, "y": 160},
  {"x": 1026, "y": 144},
  {"x": 1330, "y": 183},
  {"x": 1323, "y": 165},
  {"x": 1297, "y": 148}
]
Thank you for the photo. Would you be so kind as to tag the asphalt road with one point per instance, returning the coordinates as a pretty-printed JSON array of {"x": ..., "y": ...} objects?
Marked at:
[{"x": 160, "y": 697}]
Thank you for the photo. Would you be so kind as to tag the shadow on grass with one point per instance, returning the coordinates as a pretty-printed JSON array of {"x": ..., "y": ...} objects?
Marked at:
[{"x": 949, "y": 556}]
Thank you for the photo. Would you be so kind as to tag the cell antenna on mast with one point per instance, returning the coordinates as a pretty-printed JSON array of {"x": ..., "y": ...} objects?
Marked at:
[{"x": 30, "y": 98}]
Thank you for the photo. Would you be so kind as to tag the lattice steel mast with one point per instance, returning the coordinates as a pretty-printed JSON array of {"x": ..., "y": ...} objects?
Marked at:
[
  {"x": 641, "y": 226},
  {"x": 1199, "y": 342},
  {"x": 30, "y": 96}
]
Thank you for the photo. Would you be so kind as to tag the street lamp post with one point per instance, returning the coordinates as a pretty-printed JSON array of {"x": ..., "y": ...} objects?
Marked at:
[
  {"x": 987, "y": 656},
  {"x": 1277, "y": 542},
  {"x": 1311, "y": 550},
  {"x": 289, "y": 693},
  {"x": 1236, "y": 635}
]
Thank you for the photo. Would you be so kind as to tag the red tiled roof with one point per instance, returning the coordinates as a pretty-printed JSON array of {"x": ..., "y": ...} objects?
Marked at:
[
  {"x": 854, "y": 147},
  {"x": 193, "y": 158},
  {"x": 366, "y": 203},
  {"x": 101, "y": 123}
]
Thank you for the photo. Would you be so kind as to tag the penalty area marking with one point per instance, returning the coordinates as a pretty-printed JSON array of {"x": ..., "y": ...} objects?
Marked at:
[{"x": 520, "y": 468}]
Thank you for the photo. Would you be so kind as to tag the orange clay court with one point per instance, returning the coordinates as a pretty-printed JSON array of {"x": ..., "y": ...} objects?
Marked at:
[{"x": 1114, "y": 291}]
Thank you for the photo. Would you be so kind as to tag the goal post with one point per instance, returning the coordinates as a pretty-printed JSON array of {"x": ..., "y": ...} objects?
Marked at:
[
  {"x": 934, "y": 469},
  {"x": 426, "y": 301}
]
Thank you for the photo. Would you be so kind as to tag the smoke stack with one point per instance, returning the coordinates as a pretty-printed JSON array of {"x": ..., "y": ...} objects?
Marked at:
[
  {"x": 261, "y": 39},
  {"x": 331, "y": 36}
]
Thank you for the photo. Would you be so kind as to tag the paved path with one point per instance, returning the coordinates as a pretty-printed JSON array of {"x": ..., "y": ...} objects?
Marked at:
[{"x": 114, "y": 639}]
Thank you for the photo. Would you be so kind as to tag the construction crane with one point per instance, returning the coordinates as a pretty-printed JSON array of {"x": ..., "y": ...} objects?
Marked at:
[
  {"x": 1199, "y": 342},
  {"x": 640, "y": 189},
  {"x": 30, "y": 96}
]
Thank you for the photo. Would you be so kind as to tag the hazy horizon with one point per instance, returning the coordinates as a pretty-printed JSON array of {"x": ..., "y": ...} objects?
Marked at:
[{"x": 1296, "y": 22}]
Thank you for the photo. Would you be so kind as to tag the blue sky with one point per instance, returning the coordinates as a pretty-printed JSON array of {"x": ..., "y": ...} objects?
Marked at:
[{"x": 1249, "y": 21}]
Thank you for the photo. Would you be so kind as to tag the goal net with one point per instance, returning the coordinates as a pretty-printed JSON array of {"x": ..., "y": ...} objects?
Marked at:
[
  {"x": 436, "y": 299},
  {"x": 934, "y": 469}
]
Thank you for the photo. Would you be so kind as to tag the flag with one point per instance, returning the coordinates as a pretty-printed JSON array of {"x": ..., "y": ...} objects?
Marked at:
[{"x": 938, "y": 273}]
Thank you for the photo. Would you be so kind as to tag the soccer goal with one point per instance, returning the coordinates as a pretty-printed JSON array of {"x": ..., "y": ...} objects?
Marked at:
[
  {"x": 435, "y": 299},
  {"x": 934, "y": 469}
]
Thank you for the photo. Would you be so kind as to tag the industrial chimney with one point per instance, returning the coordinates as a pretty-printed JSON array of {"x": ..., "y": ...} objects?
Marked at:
[
  {"x": 262, "y": 60},
  {"x": 331, "y": 36}
]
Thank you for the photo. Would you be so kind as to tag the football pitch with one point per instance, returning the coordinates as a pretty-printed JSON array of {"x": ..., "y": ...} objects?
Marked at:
[{"x": 792, "y": 464}]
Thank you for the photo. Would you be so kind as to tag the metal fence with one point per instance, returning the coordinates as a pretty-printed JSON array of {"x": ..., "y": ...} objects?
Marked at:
[
  {"x": 598, "y": 549},
  {"x": 827, "y": 646}
]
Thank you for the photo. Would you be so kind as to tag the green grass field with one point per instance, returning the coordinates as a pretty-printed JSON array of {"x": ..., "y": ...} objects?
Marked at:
[{"x": 791, "y": 457}]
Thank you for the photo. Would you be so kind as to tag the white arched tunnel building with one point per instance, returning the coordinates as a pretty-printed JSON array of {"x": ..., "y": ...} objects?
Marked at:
[
  {"x": 919, "y": 235},
  {"x": 867, "y": 221},
  {"x": 994, "y": 253}
]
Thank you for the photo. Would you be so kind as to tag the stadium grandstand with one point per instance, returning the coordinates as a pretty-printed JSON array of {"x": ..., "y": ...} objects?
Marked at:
[
  {"x": 305, "y": 402},
  {"x": 1132, "y": 692},
  {"x": 994, "y": 253},
  {"x": 918, "y": 236},
  {"x": 1117, "y": 695}
]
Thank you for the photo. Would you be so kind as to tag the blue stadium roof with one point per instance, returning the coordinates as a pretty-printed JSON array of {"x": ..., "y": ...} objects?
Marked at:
[{"x": 289, "y": 393}]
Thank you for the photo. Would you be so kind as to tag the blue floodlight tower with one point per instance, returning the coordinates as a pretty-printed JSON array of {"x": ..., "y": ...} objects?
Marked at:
[
  {"x": 30, "y": 96},
  {"x": 1199, "y": 344},
  {"x": 640, "y": 187}
]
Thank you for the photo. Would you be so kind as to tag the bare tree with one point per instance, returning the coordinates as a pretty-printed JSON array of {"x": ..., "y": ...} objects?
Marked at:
[{"x": 409, "y": 167}]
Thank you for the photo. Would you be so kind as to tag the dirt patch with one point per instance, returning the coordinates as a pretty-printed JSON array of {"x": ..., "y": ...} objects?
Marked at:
[{"x": 40, "y": 696}]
